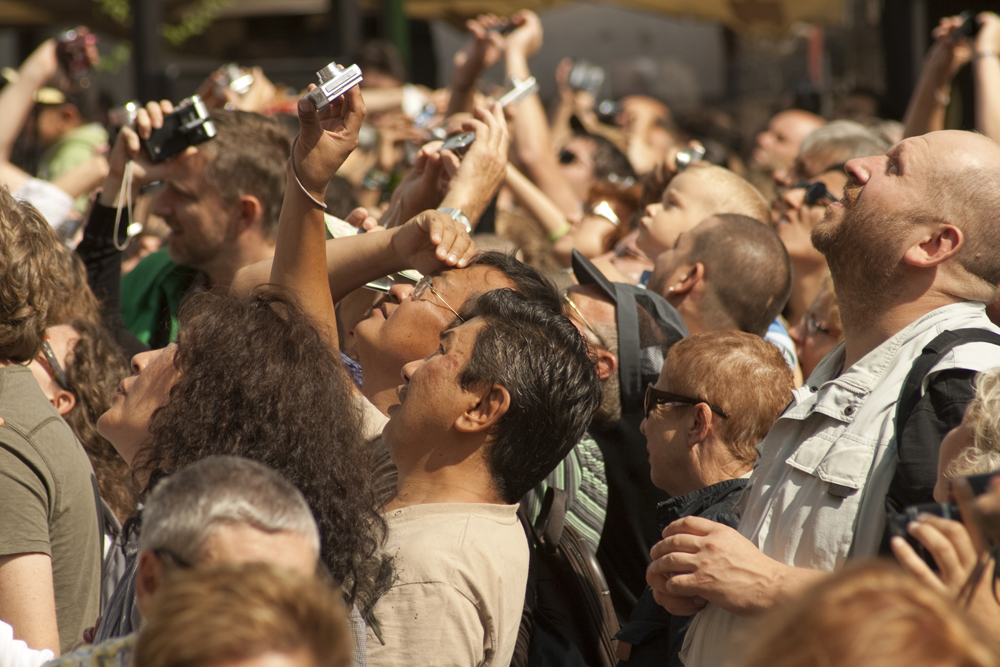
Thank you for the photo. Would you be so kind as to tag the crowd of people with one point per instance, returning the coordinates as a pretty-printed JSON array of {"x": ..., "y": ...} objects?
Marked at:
[{"x": 425, "y": 379}]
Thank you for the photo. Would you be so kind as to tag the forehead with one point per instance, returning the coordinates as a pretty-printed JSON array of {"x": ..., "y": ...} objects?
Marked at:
[{"x": 472, "y": 279}]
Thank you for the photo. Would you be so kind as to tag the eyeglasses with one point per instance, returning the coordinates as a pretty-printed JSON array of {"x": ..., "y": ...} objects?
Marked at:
[
  {"x": 655, "y": 397},
  {"x": 815, "y": 192},
  {"x": 423, "y": 285},
  {"x": 587, "y": 324},
  {"x": 812, "y": 325},
  {"x": 59, "y": 375}
]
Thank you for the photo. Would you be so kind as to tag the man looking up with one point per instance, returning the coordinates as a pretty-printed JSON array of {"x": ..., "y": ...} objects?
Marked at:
[
  {"x": 509, "y": 392},
  {"x": 220, "y": 200},
  {"x": 50, "y": 539},
  {"x": 910, "y": 249}
]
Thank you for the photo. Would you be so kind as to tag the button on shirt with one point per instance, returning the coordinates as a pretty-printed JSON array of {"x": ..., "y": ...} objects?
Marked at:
[{"x": 817, "y": 494}]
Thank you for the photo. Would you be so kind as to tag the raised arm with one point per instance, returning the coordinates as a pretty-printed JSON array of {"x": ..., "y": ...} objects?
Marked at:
[
  {"x": 324, "y": 142},
  {"x": 925, "y": 112},
  {"x": 17, "y": 97},
  {"x": 986, "y": 70},
  {"x": 532, "y": 140},
  {"x": 478, "y": 55}
]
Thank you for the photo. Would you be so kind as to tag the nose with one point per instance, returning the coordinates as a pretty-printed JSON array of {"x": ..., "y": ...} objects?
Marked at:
[
  {"x": 793, "y": 198},
  {"x": 785, "y": 177},
  {"x": 653, "y": 209},
  {"x": 141, "y": 360},
  {"x": 409, "y": 369},
  {"x": 400, "y": 291},
  {"x": 860, "y": 169},
  {"x": 642, "y": 426}
]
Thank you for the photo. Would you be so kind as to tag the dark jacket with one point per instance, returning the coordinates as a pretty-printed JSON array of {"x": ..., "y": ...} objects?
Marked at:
[{"x": 654, "y": 634}]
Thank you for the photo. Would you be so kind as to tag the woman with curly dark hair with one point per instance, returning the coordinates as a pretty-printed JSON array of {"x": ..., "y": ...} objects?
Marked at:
[{"x": 250, "y": 376}]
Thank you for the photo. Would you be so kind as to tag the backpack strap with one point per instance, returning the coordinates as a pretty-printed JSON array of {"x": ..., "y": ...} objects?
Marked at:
[
  {"x": 932, "y": 353},
  {"x": 552, "y": 518}
]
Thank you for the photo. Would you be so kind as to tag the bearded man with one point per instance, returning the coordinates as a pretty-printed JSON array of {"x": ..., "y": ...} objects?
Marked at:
[{"x": 912, "y": 252}]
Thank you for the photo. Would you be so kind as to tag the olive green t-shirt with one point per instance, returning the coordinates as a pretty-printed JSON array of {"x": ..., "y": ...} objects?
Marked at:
[{"x": 48, "y": 501}]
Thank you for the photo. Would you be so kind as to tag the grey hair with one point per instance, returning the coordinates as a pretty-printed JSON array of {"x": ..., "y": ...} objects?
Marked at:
[
  {"x": 982, "y": 418},
  {"x": 846, "y": 135},
  {"x": 185, "y": 508}
]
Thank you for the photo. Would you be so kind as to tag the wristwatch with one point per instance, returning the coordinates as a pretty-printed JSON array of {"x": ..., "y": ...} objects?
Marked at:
[{"x": 457, "y": 216}]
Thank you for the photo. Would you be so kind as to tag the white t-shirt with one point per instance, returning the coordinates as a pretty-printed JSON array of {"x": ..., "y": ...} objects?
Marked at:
[{"x": 461, "y": 573}]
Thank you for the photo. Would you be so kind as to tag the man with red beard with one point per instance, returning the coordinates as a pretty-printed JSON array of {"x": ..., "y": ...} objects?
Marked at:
[{"x": 912, "y": 252}]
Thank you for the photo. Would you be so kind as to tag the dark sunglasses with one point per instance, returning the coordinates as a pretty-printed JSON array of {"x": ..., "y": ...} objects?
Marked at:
[
  {"x": 53, "y": 364},
  {"x": 815, "y": 192},
  {"x": 655, "y": 397},
  {"x": 567, "y": 157}
]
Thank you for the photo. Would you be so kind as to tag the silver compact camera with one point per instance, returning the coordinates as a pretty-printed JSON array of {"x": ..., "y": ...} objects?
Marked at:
[{"x": 333, "y": 82}]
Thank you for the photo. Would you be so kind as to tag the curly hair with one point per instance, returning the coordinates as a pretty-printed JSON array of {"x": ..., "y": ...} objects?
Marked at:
[
  {"x": 237, "y": 612},
  {"x": 73, "y": 298},
  {"x": 982, "y": 418},
  {"x": 257, "y": 380},
  {"x": 94, "y": 367},
  {"x": 29, "y": 257}
]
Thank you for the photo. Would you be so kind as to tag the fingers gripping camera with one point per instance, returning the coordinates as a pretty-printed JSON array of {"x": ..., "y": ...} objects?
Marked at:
[{"x": 333, "y": 82}]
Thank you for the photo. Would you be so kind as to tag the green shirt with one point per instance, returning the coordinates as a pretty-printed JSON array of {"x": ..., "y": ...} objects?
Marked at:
[{"x": 151, "y": 295}]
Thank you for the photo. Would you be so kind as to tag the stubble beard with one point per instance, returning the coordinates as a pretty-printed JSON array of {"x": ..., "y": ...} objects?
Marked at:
[{"x": 863, "y": 252}]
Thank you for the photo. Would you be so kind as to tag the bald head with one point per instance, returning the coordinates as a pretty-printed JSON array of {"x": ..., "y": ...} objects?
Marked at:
[{"x": 778, "y": 145}]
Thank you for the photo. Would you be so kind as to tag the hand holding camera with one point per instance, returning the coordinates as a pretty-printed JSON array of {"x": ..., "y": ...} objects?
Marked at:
[{"x": 330, "y": 118}]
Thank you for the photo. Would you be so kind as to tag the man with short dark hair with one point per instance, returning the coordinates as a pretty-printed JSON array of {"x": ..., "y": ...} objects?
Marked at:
[
  {"x": 729, "y": 272},
  {"x": 911, "y": 252},
  {"x": 510, "y": 390},
  {"x": 50, "y": 537}
]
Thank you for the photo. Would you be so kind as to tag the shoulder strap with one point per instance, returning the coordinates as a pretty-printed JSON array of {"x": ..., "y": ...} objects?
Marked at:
[
  {"x": 552, "y": 518},
  {"x": 932, "y": 353}
]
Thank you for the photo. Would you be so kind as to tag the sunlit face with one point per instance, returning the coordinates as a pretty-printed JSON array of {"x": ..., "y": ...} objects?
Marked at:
[
  {"x": 799, "y": 209},
  {"x": 666, "y": 430},
  {"x": 954, "y": 443},
  {"x": 431, "y": 397},
  {"x": 688, "y": 200},
  {"x": 815, "y": 335},
  {"x": 200, "y": 221},
  {"x": 126, "y": 423},
  {"x": 401, "y": 329},
  {"x": 672, "y": 263}
]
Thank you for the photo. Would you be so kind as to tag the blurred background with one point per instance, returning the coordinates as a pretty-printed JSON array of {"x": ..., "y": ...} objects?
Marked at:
[{"x": 746, "y": 57}]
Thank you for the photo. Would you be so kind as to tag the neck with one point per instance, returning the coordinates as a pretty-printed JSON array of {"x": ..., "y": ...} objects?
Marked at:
[
  {"x": 710, "y": 465},
  {"x": 380, "y": 394},
  {"x": 440, "y": 478},
  {"x": 807, "y": 284},
  {"x": 222, "y": 271},
  {"x": 865, "y": 330}
]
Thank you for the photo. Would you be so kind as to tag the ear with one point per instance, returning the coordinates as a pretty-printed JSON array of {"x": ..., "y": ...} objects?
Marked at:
[
  {"x": 607, "y": 364},
  {"x": 250, "y": 212},
  {"x": 482, "y": 416},
  {"x": 940, "y": 244},
  {"x": 701, "y": 424},
  {"x": 68, "y": 113},
  {"x": 148, "y": 579},
  {"x": 63, "y": 402},
  {"x": 687, "y": 278}
]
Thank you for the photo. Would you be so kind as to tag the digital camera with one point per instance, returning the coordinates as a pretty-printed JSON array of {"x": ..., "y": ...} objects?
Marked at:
[
  {"x": 188, "y": 125},
  {"x": 333, "y": 82}
]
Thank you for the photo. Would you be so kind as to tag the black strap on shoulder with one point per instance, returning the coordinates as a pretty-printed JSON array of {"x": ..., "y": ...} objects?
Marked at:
[{"x": 932, "y": 353}]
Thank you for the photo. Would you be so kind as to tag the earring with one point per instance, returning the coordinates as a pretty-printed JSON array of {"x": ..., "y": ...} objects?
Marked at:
[{"x": 670, "y": 290}]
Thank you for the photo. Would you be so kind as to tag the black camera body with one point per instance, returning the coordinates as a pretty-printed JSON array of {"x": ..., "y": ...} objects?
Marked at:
[
  {"x": 189, "y": 125},
  {"x": 333, "y": 82},
  {"x": 970, "y": 26}
]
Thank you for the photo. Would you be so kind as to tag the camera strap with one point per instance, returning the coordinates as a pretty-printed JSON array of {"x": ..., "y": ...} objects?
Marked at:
[{"x": 124, "y": 196}]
